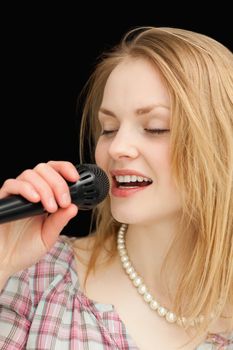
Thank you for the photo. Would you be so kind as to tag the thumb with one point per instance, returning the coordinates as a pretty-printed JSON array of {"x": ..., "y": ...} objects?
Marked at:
[{"x": 54, "y": 224}]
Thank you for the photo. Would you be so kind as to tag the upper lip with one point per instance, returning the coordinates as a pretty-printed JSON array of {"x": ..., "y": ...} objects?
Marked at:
[{"x": 118, "y": 172}]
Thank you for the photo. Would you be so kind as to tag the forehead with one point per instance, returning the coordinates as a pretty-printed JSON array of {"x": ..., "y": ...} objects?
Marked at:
[{"x": 133, "y": 83}]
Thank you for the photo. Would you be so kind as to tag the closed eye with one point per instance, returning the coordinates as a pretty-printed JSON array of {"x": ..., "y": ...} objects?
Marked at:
[
  {"x": 157, "y": 131},
  {"x": 106, "y": 132}
]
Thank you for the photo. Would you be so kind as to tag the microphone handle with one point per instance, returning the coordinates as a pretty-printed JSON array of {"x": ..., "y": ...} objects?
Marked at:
[{"x": 16, "y": 207}]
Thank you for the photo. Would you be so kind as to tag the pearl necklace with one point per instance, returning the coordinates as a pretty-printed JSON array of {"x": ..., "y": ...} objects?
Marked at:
[{"x": 137, "y": 281}]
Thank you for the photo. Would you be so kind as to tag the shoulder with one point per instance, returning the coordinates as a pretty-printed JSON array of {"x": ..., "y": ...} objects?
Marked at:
[
  {"x": 60, "y": 256},
  {"x": 220, "y": 333},
  {"x": 57, "y": 266},
  {"x": 24, "y": 289},
  {"x": 58, "y": 259},
  {"x": 218, "y": 341}
]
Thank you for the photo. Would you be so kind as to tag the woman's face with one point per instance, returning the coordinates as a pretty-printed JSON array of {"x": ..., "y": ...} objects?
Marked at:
[{"x": 134, "y": 155}]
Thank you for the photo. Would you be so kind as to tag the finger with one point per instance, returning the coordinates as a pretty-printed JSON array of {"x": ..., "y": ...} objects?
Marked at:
[
  {"x": 23, "y": 188},
  {"x": 66, "y": 169},
  {"x": 42, "y": 187},
  {"x": 55, "y": 223},
  {"x": 56, "y": 182}
]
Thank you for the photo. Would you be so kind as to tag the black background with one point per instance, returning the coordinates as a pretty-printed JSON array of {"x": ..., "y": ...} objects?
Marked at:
[{"x": 47, "y": 55}]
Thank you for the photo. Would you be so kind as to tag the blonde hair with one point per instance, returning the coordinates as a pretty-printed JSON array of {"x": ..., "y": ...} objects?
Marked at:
[{"x": 198, "y": 72}]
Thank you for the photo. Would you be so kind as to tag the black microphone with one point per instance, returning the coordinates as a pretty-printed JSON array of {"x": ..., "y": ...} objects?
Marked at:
[{"x": 91, "y": 189}]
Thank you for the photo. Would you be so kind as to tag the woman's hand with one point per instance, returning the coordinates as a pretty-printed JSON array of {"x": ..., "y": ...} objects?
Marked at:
[{"x": 24, "y": 242}]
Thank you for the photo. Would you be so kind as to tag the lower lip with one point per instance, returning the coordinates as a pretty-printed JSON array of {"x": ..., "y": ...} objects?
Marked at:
[{"x": 126, "y": 192}]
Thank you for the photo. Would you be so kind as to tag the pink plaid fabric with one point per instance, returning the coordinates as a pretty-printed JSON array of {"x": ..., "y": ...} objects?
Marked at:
[{"x": 43, "y": 308}]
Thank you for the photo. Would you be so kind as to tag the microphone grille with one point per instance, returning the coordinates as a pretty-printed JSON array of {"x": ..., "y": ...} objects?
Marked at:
[{"x": 97, "y": 179}]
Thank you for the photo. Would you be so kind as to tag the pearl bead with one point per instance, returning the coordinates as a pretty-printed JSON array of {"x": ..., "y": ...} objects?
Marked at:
[
  {"x": 171, "y": 317},
  {"x": 181, "y": 321},
  {"x": 132, "y": 275},
  {"x": 162, "y": 311},
  {"x": 147, "y": 297},
  {"x": 142, "y": 289},
  {"x": 154, "y": 304},
  {"x": 124, "y": 258},
  {"x": 130, "y": 270},
  {"x": 122, "y": 252},
  {"x": 121, "y": 246},
  {"x": 126, "y": 264},
  {"x": 191, "y": 322},
  {"x": 137, "y": 281}
]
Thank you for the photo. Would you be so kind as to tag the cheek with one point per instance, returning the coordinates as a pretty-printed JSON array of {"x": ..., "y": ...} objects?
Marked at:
[
  {"x": 159, "y": 157},
  {"x": 101, "y": 154},
  {"x": 161, "y": 163},
  {"x": 166, "y": 171}
]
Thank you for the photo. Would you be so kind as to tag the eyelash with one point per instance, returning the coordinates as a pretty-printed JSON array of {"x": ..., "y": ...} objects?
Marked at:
[
  {"x": 151, "y": 131},
  {"x": 157, "y": 131}
]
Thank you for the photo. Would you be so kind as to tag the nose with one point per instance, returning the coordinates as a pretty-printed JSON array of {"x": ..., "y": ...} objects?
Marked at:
[{"x": 124, "y": 144}]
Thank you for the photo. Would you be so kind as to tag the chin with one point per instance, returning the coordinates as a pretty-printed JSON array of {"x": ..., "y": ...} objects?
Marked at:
[
  {"x": 138, "y": 216},
  {"x": 128, "y": 217}
]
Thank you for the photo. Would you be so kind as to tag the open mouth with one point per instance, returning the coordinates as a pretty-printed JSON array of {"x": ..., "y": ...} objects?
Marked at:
[{"x": 131, "y": 181}]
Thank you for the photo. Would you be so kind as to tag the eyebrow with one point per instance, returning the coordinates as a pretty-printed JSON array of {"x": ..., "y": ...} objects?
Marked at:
[{"x": 138, "y": 111}]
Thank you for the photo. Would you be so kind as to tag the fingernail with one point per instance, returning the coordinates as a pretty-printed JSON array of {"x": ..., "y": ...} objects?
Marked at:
[
  {"x": 52, "y": 204},
  {"x": 76, "y": 174},
  {"x": 35, "y": 195},
  {"x": 65, "y": 199}
]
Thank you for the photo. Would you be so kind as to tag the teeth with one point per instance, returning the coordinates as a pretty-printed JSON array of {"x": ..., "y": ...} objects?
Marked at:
[{"x": 131, "y": 178}]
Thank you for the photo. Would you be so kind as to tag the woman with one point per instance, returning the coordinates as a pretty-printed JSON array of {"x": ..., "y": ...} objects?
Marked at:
[{"x": 157, "y": 273}]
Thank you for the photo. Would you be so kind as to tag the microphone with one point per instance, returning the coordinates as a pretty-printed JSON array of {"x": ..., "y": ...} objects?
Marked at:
[{"x": 91, "y": 189}]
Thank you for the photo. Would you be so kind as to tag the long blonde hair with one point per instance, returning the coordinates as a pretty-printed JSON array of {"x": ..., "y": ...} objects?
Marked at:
[{"x": 198, "y": 72}]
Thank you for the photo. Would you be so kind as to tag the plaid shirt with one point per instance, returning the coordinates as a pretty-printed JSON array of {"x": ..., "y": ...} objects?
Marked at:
[{"x": 43, "y": 308}]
